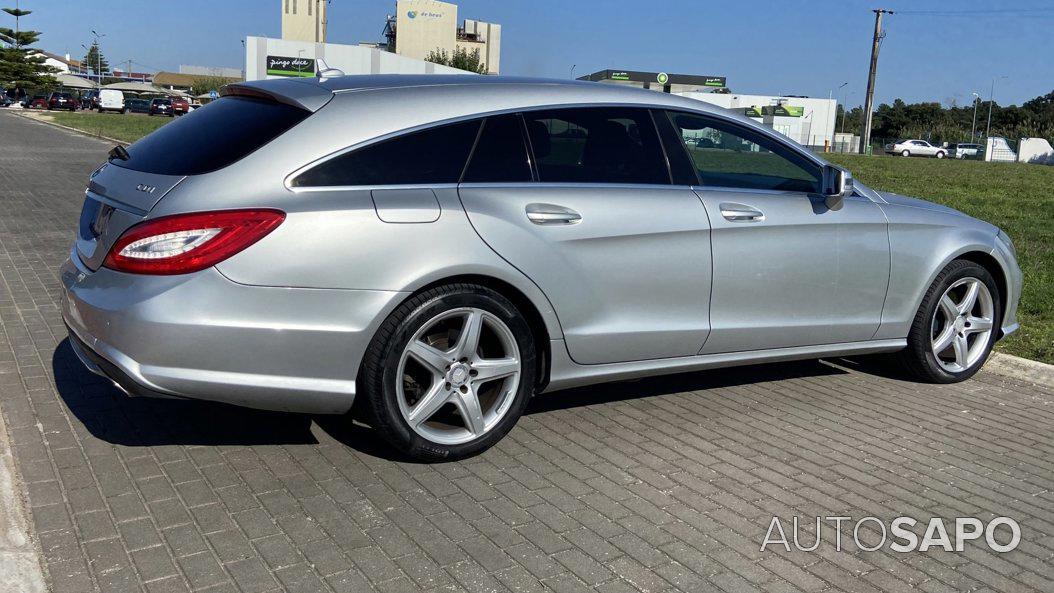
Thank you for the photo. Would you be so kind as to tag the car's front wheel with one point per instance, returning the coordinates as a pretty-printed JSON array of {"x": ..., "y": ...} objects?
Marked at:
[
  {"x": 956, "y": 326},
  {"x": 940, "y": 154},
  {"x": 449, "y": 372}
]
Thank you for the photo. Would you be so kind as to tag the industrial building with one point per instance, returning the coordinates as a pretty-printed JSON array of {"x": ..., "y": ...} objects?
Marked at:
[
  {"x": 657, "y": 81},
  {"x": 805, "y": 120},
  {"x": 420, "y": 27},
  {"x": 304, "y": 20},
  {"x": 808, "y": 121}
]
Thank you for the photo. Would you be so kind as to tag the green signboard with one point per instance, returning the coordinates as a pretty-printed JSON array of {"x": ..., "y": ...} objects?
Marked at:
[
  {"x": 774, "y": 110},
  {"x": 285, "y": 66}
]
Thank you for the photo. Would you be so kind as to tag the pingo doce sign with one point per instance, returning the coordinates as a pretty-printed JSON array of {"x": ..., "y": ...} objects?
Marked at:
[{"x": 901, "y": 534}]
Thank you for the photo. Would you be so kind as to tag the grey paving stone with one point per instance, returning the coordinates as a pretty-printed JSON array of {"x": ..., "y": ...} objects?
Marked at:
[{"x": 668, "y": 485}]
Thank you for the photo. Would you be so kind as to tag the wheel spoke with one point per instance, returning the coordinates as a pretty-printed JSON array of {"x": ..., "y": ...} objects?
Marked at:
[
  {"x": 962, "y": 350},
  {"x": 951, "y": 311},
  {"x": 970, "y": 298},
  {"x": 434, "y": 359},
  {"x": 468, "y": 405},
  {"x": 429, "y": 404},
  {"x": 941, "y": 342},
  {"x": 489, "y": 369},
  {"x": 468, "y": 341},
  {"x": 978, "y": 324}
]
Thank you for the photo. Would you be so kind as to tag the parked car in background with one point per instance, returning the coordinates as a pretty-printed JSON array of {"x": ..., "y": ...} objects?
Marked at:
[
  {"x": 441, "y": 265},
  {"x": 90, "y": 99},
  {"x": 966, "y": 150},
  {"x": 36, "y": 102},
  {"x": 5, "y": 99},
  {"x": 180, "y": 106},
  {"x": 111, "y": 100},
  {"x": 137, "y": 105},
  {"x": 916, "y": 148},
  {"x": 62, "y": 101},
  {"x": 161, "y": 107}
]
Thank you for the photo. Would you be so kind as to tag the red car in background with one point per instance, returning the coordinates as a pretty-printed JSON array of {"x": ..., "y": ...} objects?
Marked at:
[
  {"x": 62, "y": 101},
  {"x": 39, "y": 102},
  {"x": 180, "y": 106}
]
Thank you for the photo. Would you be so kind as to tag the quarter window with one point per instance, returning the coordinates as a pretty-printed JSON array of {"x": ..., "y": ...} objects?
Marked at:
[
  {"x": 726, "y": 155},
  {"x": 596, "y": 145},
  {"x": 432, "y": 156}
]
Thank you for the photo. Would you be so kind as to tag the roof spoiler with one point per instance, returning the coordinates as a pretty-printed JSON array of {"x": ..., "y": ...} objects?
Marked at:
[{"x": 304, "y": 93}]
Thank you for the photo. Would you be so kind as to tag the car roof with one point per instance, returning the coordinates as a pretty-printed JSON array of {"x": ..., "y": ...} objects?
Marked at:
[{"x": 313, "y": 93}]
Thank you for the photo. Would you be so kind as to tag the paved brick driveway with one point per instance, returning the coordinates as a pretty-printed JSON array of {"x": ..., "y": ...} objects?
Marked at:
[{"x": 660, "y": 485}]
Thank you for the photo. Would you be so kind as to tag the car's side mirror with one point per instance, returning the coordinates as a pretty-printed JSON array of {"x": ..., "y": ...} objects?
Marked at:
[{"x": 837, "y": 185}]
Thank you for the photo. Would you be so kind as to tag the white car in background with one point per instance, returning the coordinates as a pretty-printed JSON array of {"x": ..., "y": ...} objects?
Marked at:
[
  {"x": 111, "y": 100},
  {"x": 916, "y": 148}
]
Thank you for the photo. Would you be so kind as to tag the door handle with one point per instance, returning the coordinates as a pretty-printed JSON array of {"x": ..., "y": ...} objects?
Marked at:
[
  {"x": 741, "y": 213},
  {"x": 552, "y": 214}
]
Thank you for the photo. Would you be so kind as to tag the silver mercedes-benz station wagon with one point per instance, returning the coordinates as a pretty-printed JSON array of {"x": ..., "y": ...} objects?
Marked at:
[{"x": 441, "y": 248}]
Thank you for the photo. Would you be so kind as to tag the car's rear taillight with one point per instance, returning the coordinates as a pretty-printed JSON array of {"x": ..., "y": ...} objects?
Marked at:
[{"x": 184, "y": 243}]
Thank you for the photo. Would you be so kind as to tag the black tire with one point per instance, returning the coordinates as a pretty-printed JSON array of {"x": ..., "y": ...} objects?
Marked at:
[
  {"x": 377, "y": 377},
  {"x": 918, "y": 357}
]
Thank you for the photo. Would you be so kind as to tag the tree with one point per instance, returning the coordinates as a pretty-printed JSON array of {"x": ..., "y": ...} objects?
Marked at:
[
  {"x": 94, "y": 61},
  {"x": 20, "y": 66},
  {"x": 205, "y": 84},
  {"x": 461, "y": 59}
]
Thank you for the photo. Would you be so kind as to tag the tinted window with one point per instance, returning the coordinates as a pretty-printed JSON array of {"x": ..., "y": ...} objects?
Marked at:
[
  {"x": 435, "y": 155},
  {"x": 211, "y": 137},
  {"x": 596, "y": 145},
  {"x": 726, "y": 155},
  {"x": 501, "y": 153}
]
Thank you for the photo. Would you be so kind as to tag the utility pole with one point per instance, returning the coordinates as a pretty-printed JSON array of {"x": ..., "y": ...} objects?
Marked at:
[
  {"x": 973, "y": 127},
  {"x": 991, "y": 100},
  {"x": 869, "y": 98}
]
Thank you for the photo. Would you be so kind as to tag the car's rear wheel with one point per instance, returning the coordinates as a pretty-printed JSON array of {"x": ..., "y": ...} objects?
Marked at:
[
  {"x": 449, "y": 372},
  {"x": 905, "y": 153},
  {"x": 956, "y": 325}
]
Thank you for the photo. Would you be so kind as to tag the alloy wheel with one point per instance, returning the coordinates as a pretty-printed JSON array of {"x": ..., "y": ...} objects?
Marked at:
[
  {"x": 458, "y": 376},
  {"x": 962, "y": 325}
]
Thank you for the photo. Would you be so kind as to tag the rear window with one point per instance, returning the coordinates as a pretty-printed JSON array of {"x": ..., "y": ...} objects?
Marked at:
[{"x": 212, "y": 137}]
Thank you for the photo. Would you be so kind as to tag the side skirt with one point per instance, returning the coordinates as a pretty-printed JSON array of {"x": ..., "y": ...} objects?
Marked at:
[{"x": 566, "y": 373}]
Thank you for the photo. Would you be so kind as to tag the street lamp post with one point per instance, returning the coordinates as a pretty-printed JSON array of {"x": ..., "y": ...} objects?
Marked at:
[
  {"x": 830, "y": 94},
  {"x": 991, "y": 100},
  {"x": 98, "y": 55},
  {"x": 973, "y": 127},
  {"x": 573, "y": 71}
]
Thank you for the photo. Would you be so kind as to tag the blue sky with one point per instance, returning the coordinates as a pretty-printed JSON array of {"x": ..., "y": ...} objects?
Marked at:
[{"x": 762, "y": 46}]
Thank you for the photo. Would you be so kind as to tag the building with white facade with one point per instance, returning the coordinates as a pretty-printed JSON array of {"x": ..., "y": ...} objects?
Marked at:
[
  {"x": 806, "y": 120},
  {"x": 420, "y": 27}
]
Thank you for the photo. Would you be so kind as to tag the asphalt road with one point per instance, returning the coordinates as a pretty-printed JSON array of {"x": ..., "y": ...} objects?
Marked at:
[{"x": 664, "y": 484}]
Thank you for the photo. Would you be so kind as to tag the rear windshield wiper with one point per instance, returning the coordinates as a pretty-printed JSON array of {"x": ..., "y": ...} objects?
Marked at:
[{"x": 118, "y": 152}]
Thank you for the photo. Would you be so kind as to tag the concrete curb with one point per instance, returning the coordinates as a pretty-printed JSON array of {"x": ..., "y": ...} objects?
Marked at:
[
  {"x": 69, "y": 129},
  {"x": 1024, "y": 369},
  {"x": 20, "y": 568}
]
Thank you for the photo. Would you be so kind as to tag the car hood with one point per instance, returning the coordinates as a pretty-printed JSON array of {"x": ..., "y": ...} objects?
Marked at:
[{"x": 899, "y": 200}]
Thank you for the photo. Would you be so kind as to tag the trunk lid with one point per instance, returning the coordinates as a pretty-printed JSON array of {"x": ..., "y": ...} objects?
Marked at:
[{"x": 116, "y": 199}]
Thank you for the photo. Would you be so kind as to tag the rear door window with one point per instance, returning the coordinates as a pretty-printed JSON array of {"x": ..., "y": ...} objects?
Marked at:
[
  {"x": 212, "y": 137},
  {"x": 501, "y": 153},
  {"x": 596, "y": 145},
  {"x": 432, "y": 156}
]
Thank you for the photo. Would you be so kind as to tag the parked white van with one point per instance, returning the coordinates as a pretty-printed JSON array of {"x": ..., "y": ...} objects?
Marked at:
[{"x": 111, "y": 100}]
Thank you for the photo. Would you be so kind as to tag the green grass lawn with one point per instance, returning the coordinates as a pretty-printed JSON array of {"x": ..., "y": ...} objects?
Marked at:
[
  {"x": 124, "y": 127},
  {"x": 1016, "y": 197}
]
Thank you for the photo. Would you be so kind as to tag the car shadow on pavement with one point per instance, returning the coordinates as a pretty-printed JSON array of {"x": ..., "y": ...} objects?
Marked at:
[
  {"x": 681, "y": 382},
  {"x": 118, "y": 419}
]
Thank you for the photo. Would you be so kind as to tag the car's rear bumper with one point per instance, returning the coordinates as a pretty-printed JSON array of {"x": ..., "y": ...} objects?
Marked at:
[{"x": 203, "y": 336}]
